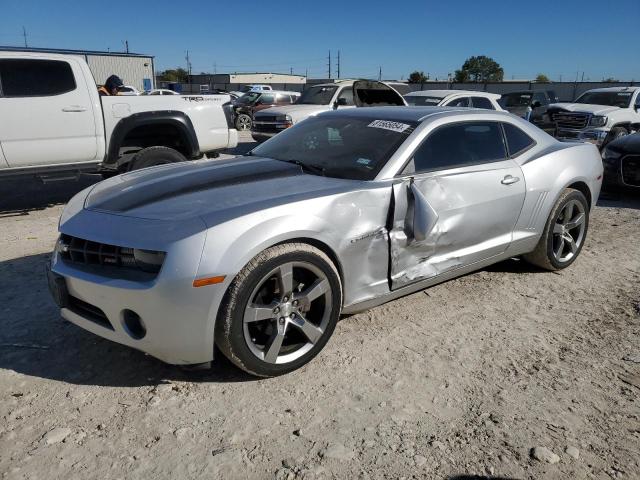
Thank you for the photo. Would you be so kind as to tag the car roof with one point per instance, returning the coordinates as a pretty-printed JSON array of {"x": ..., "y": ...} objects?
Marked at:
[
  {"x": 407, "y": 114},
  {"x": 446, "y": 93},
  {"x": 614, "y": 89}
]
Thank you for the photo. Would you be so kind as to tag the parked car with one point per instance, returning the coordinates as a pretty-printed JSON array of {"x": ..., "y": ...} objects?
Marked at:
[
  {"x": 250, "y": 103},
  {"x": 252, "y": 88},
  {"x": 454, "y": 98},
  {"x": 160, "y": 91},
  {"x": 598, "y": 116},
  {"x": 531, "y": 105},
  {"x": 344, "y": 211},
  {"x": 128, "y": 90},
  {"x": 321, "y": 98},
  {"x": 53, "y": 122},
  {"x": 621, "y": 159}
]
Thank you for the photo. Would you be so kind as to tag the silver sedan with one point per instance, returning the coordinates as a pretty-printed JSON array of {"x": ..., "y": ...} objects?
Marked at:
[{"x": 260, "y": 255}]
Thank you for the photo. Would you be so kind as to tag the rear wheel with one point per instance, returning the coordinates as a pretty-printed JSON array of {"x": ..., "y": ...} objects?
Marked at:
[
  {"x": 280, "y": 310},
  {"x": 152, "y": 156},
  {"x": 564, "y": 234}
]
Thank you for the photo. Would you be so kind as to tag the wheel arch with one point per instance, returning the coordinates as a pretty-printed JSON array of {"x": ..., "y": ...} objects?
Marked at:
[
  {"x": 140, "y": 128},
  {"x": 583, "y": 188}
]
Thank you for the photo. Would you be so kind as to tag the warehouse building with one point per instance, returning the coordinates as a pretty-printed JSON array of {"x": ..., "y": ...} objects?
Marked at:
[
  {"x": 134, "y": 69},
  {"x": 207, "y": 82}
]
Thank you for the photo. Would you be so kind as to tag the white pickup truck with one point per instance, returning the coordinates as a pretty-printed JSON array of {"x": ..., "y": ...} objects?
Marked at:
[
  {"x": 321, "y": 98},
  {"x": 53, "y": 122},
  {"x": 598, "y": 116}
]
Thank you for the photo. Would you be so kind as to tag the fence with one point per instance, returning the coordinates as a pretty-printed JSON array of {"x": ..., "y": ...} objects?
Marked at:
[{"x": 566, "y": 91}]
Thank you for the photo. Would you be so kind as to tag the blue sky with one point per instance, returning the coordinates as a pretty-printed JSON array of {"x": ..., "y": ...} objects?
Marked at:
[{"x": 557, "y": 38}]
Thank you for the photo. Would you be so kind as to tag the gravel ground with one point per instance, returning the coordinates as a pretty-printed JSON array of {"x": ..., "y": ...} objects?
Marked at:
[{"x": 509, "y": 372}]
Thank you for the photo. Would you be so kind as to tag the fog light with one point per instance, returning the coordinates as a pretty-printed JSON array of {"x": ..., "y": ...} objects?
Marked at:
[{"x": 133, "y": 324}]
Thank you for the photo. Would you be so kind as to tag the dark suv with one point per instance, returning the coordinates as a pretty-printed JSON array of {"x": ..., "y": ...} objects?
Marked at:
[
  {"x": 245, "y": 106},
  {"x": 531, "y": 105}
]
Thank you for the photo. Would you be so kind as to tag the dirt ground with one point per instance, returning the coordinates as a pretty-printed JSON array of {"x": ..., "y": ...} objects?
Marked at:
[{"x": 509, "y": 372}]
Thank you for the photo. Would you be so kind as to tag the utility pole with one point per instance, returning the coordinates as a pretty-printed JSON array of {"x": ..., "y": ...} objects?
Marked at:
[
  {"x": 24, "y": 34},
  {"x": 582, "y": 79},
  {"x": 126, "y": 45},
  {"x": 380, "y": 74},
  {"x": 188, "y": 67},
  {"x": 338, "y": 73},
  {"x": 291, "y": 70},
  {"x": 329, "y": 64}
]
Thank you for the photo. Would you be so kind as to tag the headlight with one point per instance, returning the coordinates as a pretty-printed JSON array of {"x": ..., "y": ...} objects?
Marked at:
[
  {"x": 598, "y": 121},
  {"x": 148, "y": 260},
  {"x": 283, "y": 118}
]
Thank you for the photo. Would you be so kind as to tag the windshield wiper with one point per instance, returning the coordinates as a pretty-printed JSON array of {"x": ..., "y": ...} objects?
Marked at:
[{"x": 308, "y": 167}]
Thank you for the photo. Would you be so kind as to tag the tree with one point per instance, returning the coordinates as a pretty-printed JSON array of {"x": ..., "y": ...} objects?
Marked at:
[
  {"x": 610, "y": 80},
  {"x": 179, "y": 75},
  {"x": 479, "y": 69},
  {"x": 542, "y": 78},
  {"x": 418, "y": 77}
]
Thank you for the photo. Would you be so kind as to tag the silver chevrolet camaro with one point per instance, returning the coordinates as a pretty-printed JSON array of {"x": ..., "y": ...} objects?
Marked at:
[{"x": 260, "y": 254}]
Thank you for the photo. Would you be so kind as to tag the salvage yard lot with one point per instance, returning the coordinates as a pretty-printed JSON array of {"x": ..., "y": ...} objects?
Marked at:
[{"x": 464, "y": 378}]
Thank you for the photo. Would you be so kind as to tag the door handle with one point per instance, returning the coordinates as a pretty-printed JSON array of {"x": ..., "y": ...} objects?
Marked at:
[
  {"x": 509, "y": 179},
  {"x": 74, "y": 108}
]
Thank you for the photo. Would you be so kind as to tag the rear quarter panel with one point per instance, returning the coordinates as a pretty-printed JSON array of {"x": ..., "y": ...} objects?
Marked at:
[
  {"x": 205, "y": 112},
  {"x": 546, "y": 176}
]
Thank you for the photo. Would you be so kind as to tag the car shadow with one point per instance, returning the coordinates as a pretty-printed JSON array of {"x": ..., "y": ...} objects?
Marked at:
[
  {"x": 35, "y": 341},
  {"x": 620, "y": 199},
  {"x": 478, "y": 477}
]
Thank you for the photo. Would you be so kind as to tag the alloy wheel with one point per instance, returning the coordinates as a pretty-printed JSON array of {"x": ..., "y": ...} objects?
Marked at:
[
  {"x": 568, "y": 231},
  {"x": 287, "y": 313}
]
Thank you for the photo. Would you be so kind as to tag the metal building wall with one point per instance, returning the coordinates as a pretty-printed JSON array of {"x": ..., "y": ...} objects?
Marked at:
[{"x": 132, "y": 70}]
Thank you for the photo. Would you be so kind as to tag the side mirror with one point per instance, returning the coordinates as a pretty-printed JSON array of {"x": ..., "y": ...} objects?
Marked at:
[
  {"x": 536, "y": 104},
  {"x": 341, "y": 102},
  {"x": 424, "y": 216}
]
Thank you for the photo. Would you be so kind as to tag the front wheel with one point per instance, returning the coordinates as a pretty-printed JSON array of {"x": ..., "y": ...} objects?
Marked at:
[
  {"x": 564, "y": 233},
  {"x": 243, "y": 122},
  {"x": 280, "y": 310}
]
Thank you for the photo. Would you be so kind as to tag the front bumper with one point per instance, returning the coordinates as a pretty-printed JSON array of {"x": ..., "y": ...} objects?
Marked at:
[
  {"x": 595, "y": 136},
  {"x": 178, "y": 319}
]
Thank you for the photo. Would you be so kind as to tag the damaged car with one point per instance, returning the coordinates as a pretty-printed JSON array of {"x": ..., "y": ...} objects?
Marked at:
[{"x": 260, "y": 255}]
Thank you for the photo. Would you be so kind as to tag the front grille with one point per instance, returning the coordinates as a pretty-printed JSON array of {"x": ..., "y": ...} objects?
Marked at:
[
  {"x": 266, "y": 118},
  {"x": 88, "y": 312},
  {"x": 79, "y": 250},
  {"x": 630, "y": 167},
  {"x": 571, "y": 120},
  {"x": 85, "y": 252}
]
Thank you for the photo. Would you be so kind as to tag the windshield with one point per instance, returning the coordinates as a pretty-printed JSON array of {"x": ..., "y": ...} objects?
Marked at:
[
  {"x": 516, "y": 99},
  {"x": 342, "y": 147},
  {"x": 422, "y": 100},
  {"x": 610, "y": 99},
  {"x": 317, "y": 96},
  {"x": 250, "y": 97}
]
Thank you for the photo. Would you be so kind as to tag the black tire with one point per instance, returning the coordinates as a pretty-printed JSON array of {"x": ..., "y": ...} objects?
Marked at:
[
  {"x": 614, "y": 134},
  {"x": 243, "y": 122},
  {"x": 230, "y": 327},
  {"x": 152, "y": 156},
  {"x": 543, "y": 256}
]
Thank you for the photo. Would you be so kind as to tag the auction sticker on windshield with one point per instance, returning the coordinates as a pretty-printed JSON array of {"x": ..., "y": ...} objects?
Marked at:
[{"x": 389, "y": 125}]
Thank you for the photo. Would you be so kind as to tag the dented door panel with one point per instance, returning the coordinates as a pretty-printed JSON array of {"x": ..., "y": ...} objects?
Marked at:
[{"x": 449, "y": 219}]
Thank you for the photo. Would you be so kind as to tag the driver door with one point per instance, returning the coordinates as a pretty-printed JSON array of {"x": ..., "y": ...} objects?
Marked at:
[{"x": 457, "y": 202}]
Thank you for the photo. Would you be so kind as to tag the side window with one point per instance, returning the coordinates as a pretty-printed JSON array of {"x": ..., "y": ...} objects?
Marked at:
[
  {"x": 482, "y": 102},
  {"x": 459, "y": 102},
  {"x": 460, "y": 144},
  {"x": 517, "y": 140},
  {"x": 347, "y": 94},
  {"x": 267, "y": 99},
  {"x": 540, "y": 97},
  {"x": 35, "y": 78}
]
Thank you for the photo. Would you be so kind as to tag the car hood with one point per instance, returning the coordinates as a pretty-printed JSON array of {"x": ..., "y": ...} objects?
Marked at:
[
  {"x": 213, "y": 190},
  {"x": 585, "y": 107},
  {"x": 296, "y": 112},
  {"x": 626, "y": 144}
]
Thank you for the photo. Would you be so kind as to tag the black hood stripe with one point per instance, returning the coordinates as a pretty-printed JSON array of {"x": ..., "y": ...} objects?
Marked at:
[{"x": 121, "y": 199}]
